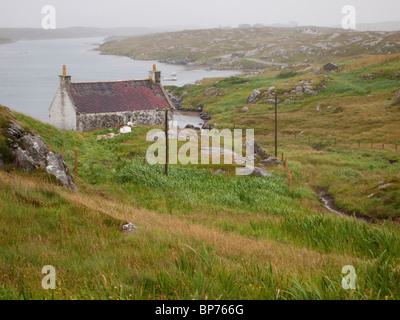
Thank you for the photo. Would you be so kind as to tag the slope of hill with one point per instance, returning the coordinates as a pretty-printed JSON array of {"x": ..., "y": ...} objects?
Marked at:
[
  {"x": 234, "y": 48},
  {"x": 348, "y": 119},
  {"x": 199, "y": 236}
]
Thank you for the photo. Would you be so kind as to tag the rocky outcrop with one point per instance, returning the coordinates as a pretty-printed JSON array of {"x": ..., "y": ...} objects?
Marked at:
[
  {"x": 397, "y": 101},
  {"x": 30, "y": 152},
  {"x": 271, "y": 161},
  {"x": 254, "y": 97},
  {"x": 57, "y": 167},
  {"x": 258, "y": 150},
  {"x": 204, "y": 116}
]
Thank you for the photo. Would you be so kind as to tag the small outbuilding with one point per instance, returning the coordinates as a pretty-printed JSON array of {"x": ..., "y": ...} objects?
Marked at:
[{"x": 331, "y": 67}]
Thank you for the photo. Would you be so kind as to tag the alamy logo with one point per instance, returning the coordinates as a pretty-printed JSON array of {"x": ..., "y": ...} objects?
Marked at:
[
  {"x": 49, "y": 20},
  {"x": 349, "y": 20},
  {"x": 349, "y": 281},
  {"x": 189, "y": 152},
  {"x": 49, "y": 281}
]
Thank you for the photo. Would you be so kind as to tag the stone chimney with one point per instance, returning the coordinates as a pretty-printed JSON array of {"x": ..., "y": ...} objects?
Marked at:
[
  {"x": 155, "y": 75},
  {"x": 65, "y": 81}
]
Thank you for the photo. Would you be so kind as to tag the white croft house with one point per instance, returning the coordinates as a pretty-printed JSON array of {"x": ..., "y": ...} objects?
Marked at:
[{"x": 85, "y": 106}]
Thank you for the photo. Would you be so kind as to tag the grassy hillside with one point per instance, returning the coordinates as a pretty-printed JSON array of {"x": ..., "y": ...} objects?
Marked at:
[
  {"x": 199, "y": 236},
  {"x": 235, "y": 48},
  {"x": 345, "y": 139}
]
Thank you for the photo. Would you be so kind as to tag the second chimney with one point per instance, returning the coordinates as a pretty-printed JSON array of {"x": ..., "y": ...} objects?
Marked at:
[{"x": 155, "y": 75}]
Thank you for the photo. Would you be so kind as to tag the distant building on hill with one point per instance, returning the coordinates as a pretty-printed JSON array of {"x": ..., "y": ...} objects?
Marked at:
[
  {"x": 331, "y": 67},
  {"x": 86, "y": 106}
]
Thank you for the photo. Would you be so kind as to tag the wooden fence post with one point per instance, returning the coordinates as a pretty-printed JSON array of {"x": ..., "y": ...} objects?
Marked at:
[{"x": 76, "y": 163}]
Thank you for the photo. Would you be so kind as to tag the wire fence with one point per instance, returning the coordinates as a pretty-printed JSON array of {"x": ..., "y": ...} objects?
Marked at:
[{"x": 322, "y": 141}]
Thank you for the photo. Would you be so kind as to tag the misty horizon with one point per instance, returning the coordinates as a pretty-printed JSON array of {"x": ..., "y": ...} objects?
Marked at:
[{"x": 179, "y": 14}]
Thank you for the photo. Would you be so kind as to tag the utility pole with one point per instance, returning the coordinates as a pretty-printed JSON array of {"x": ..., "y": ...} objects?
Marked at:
[
  {"x": 276, "y": 124},
  {"x": 166, "y": 142}
]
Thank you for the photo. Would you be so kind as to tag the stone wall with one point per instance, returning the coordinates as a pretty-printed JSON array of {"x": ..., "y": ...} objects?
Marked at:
[{"x": 93, "y": 121}]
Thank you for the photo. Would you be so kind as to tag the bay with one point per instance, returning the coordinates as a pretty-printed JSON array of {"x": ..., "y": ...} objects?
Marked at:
[{"x": 29, "y": 71}]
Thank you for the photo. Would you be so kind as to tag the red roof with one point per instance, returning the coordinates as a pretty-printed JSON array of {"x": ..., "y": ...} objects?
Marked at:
[{"x": 116, "y": 96}]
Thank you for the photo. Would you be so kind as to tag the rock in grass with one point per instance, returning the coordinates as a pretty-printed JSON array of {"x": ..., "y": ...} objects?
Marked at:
[
  {"x": 254, "y": 96},
  {"x": 57, "y": 167},
  {"x": 261, "y": 172},
  {"x": 258, "y": 150},
  {"x": 271, "y": 161},
  {"x": 130, "y": 227},
  {"x": 30, "y": 152},
  {"x": 398, "y": 98}
]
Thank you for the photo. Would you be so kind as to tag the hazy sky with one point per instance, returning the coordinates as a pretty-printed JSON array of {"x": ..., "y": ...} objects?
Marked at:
[{"x": 192, "y": 13}]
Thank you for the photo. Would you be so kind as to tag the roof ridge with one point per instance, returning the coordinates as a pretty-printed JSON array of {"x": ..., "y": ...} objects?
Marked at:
[{"x": 109, "y": 81}]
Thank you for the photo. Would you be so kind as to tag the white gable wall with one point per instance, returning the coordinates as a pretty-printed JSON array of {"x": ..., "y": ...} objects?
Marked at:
[{"x": 62, "y": 111}]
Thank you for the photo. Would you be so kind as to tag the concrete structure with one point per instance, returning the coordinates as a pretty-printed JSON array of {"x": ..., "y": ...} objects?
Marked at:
[{"x": 85, "y": 106}]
